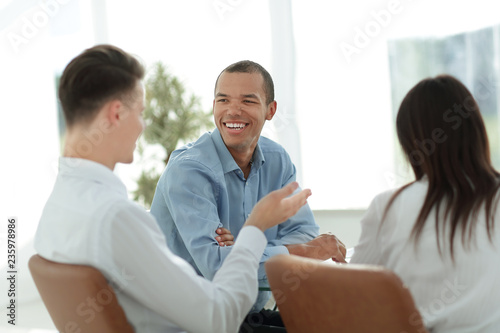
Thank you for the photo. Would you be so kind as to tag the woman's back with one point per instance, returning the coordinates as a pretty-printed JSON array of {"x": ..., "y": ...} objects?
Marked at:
[{"x": 459, "y": 296}]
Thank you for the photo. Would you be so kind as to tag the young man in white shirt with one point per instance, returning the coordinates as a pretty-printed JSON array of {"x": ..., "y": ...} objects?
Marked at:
[{"x": 89, "y": 220}]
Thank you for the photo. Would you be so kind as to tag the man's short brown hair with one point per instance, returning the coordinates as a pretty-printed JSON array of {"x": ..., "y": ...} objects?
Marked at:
[{"x": 96, "y": 76}]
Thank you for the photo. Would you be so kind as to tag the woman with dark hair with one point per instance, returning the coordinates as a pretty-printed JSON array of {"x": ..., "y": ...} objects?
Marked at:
[{"x": 438, "y": 232}]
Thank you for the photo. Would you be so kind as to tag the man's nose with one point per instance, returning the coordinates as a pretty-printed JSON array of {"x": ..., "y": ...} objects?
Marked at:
[{"x": 234, "y": 108}]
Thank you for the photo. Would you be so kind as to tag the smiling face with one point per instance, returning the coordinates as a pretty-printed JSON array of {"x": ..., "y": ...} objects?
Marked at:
[{"x": 240, "y": 110}]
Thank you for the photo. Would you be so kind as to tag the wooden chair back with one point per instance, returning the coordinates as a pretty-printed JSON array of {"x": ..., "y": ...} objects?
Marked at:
[
  {"x": 78, "y": 298},
  {"x": 315, "y": 296}
]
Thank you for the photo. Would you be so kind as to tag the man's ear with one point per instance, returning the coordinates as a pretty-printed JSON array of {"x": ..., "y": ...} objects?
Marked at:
[
  {"x": 114, "y": 111},
  {"x": 271, "y": 110}
]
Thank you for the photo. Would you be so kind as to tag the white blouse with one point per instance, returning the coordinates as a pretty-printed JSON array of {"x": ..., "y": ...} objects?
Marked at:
[{"x": 452, "y": 297}]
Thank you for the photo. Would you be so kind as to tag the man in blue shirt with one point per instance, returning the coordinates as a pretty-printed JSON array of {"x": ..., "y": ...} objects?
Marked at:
[{"x": 209, "y": 187}]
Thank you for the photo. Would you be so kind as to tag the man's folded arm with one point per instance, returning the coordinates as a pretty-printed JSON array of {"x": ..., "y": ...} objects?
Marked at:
[{"x": 192, "y": 202}]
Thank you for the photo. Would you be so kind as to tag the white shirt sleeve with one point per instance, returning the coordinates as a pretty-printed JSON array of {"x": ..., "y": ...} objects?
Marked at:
[
  {"x": 370, "y": 245},
  {"x": 168, "y": 285}
]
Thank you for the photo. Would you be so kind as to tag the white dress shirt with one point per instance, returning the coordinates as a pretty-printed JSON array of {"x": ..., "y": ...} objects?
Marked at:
[
  {"x": 460, "y": 297},
  {"x": 89, "y": 220}
]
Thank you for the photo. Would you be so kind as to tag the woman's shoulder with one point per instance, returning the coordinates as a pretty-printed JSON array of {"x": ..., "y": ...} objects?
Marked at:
[{"x": 412, "y": 189}]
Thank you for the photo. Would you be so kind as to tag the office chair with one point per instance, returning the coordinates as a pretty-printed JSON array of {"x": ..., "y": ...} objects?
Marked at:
[
  {"x": 78, "y": 297},
  {"x": 316, "y": 296}
]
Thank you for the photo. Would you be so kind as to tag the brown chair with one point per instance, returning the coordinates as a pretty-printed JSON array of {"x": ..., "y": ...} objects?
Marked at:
[
  {"x": 78, "y": 298},
  {"x": 314, "y": 296}
]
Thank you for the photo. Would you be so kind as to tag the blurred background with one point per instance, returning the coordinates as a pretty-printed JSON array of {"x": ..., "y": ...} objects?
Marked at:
[{"x": 340, "y": 71}]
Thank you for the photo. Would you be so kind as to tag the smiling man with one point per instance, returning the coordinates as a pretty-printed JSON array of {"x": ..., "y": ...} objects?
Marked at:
[
  {"x": 243, "y": 102},
  {"x": 209, "y": 187}
]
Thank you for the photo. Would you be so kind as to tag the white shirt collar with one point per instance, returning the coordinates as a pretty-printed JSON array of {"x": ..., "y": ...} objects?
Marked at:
[{"x": 91, "y": 171}]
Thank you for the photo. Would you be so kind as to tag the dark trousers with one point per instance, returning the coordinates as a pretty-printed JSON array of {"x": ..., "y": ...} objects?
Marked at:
[{"x": 265, "y": 321}]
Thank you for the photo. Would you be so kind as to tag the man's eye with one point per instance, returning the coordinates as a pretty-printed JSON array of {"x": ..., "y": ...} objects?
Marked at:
[
  {"x": 247, "y": 101},
  {"x": 222, "y": 100}
]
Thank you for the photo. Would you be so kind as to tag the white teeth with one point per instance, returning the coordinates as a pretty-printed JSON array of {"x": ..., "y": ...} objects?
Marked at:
[{"x": 235, "y": 125}]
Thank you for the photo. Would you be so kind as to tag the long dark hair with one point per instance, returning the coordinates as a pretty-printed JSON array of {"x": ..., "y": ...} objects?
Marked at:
[{"x": 443, "y": 136}]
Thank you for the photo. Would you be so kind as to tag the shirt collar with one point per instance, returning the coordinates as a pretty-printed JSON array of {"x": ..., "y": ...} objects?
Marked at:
[
  {"x": 91, "y": 171},
  {"x": 227, "y": 161},
  {"x": 258, "y": 157}
]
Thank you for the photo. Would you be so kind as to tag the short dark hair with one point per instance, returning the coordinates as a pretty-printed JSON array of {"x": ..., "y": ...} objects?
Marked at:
[
  {"x": 96, "y": 76},
  {"x": 247, "y": 66}
]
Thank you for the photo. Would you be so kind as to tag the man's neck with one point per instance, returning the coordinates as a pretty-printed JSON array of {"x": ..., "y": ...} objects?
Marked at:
[
  {"x": 244, "y": 160},
  {"x": 79, "y": 146}
]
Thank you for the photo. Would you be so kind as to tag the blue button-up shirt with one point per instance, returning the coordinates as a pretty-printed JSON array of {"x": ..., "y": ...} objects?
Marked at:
[{"x": 202, "y": 189}]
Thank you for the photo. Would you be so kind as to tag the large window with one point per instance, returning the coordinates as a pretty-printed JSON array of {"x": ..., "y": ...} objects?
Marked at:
[{"x": 472, "y": 57}]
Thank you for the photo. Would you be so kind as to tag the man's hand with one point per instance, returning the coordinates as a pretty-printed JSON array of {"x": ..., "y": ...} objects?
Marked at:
[
  {"x": 225, "y": 237},
  {"x": 323, "y": 247},
  {"x": 278, "y": 206}
]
